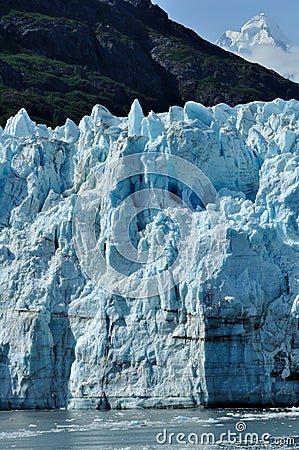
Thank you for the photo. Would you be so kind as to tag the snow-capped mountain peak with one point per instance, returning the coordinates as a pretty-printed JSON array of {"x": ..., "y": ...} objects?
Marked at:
[{"x": 260, "y": 30}]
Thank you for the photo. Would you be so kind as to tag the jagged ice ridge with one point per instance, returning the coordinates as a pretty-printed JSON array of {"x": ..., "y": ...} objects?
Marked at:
[{"x": 260, "y": 30}]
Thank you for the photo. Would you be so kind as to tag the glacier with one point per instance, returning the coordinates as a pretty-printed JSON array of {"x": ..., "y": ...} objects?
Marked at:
[
  {"x": 225, "y": 332},
  {"x": 258, "y": 31},
  {"x": 260, "y": 40}
]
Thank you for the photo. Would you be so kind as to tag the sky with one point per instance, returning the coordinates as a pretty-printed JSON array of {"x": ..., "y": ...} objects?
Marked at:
[{"x": 210, "y": 18}]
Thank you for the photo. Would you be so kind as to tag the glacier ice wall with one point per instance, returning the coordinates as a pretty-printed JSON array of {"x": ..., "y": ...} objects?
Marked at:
[{"x": 226, "y": 338}]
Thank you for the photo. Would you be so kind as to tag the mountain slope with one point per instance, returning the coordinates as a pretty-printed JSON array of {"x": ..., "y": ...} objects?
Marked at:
[{"x": 59, "y": 58}]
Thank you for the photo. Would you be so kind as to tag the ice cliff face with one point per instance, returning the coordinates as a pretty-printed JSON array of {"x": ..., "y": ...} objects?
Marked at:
[{"x": 84, "y": 207}]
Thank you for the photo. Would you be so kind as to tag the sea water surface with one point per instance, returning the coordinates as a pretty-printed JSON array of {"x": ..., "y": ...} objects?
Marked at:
[{"x": 150, "y": 429}]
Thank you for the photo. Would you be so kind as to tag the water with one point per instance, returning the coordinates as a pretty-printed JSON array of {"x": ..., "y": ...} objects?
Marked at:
[{"x": 140, "y": 429}]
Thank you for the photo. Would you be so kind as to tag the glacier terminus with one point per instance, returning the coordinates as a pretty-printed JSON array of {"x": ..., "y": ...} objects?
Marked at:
[{"x": 151, "y": 260}]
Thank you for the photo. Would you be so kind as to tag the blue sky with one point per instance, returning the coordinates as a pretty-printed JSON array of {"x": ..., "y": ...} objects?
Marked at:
[{"x": 210, "y": 18}]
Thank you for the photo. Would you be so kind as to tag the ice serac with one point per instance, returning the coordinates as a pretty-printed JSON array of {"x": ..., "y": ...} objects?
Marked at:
[
  {"x": 135, "y": 119},
  {"x": 226, "y": 339}
]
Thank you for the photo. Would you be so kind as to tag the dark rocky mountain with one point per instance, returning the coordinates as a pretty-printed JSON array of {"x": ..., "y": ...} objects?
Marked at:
[{"x": 58, "y": 58}]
